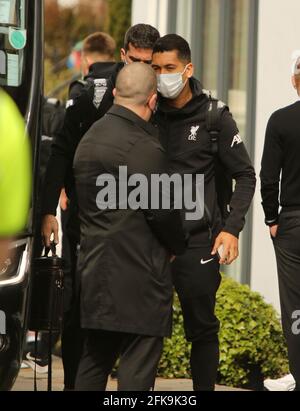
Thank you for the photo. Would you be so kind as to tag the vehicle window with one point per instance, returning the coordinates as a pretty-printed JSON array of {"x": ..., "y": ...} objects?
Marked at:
[{"x": 13, "y": 38}]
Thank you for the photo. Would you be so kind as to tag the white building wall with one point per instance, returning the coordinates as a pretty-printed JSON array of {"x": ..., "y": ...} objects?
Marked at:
[{"x": 278, "y": 36}]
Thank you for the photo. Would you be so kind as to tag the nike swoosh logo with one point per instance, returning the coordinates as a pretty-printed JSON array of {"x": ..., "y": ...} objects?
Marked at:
[{"x": 206, "y": 262}]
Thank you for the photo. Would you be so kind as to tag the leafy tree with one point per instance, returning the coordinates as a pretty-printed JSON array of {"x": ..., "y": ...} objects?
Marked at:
[
  {"x": 119, "y": 20},
  {"x": 65, "y": 26}
]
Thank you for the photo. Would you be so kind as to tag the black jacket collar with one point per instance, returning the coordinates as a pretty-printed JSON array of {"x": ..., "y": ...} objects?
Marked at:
[{"x": 124, "y": 112}]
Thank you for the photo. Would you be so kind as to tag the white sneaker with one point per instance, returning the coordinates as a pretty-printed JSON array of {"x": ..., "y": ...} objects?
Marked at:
[
  {"x": 286, "y": 383},
  {"x": 41, "y": 366}
]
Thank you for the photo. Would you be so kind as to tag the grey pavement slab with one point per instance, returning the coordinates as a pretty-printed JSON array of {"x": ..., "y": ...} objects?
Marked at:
[{"x": 25, "y": 381}]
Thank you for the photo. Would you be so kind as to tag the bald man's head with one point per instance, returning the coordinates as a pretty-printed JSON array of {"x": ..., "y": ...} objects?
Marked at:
[{"x": 136, "y": 83}]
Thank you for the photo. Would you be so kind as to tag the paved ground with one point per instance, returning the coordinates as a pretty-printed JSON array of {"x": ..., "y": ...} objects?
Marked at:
[{"x": 25, "y": 382}]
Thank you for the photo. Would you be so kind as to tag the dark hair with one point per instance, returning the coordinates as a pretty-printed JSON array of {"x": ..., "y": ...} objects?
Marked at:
[
  {"x": 142, "y": 36},
  {"x": 101, "y": 43},
  {"x": 173, "y": 42}
]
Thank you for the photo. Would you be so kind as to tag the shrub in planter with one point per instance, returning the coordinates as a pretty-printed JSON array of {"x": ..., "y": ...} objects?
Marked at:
[
  {"x": 251, "y": 341},
  {"x": 175, "y": 362},
  {"x": 251, "y": 338}
]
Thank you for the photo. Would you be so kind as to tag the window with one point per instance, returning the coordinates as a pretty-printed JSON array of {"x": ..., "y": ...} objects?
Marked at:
[
  {"x": 9, "y": 12},
  {"x": 184, "y": 16},
  {"x": 238, "y": 79},
  {"x": 12, "y": 41},
  {"x": 210, "y": 45},
  {"x": 237, "y": 90},
  {"x": 223, "y": 35}
]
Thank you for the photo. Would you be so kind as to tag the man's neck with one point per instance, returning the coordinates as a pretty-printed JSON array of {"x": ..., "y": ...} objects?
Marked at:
[
  {"x": 138, "y": 110},
  {"x": 184, "y": 97}
]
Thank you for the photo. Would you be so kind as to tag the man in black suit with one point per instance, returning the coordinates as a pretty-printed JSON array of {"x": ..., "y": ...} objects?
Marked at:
[
  {"x": 280, "y": 187},
  {"x": 126, "y": 284}
]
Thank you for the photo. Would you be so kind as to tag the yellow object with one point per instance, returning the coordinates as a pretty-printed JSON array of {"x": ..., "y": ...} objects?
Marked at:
[{"x": 15, "y": 169}]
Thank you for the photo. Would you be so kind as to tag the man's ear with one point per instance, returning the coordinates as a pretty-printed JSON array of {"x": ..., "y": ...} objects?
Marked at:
[
  {"x": 294, "y": 82},
  {"x": 123, "y": 55},
  {"x": 152, "y": 102},
  {"x": 114, "y": 92},
  {"x": 84, "y": 65},
  {"x": 190, "y": 70}
]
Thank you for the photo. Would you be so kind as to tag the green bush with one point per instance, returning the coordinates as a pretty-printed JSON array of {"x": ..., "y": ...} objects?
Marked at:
[{"x": 250, "y": 339}]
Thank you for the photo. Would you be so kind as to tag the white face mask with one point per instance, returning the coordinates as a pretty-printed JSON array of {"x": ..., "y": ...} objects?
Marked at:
[{"x": 171, "y": 85}]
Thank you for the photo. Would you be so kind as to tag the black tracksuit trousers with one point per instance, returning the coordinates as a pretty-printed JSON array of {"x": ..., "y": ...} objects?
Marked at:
[
  {"x": 197, "y": 278},
  {"x": 139, "y": 358},
  {"x": 287, "y": 249}
]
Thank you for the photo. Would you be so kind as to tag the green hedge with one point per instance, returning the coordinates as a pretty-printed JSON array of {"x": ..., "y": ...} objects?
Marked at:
[{"x": 251, "y": 339}]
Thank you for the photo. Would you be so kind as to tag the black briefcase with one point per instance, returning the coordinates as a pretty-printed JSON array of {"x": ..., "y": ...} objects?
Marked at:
[
  {"x": 46, "y": 306},
  {"x": 46, "y": 303}
]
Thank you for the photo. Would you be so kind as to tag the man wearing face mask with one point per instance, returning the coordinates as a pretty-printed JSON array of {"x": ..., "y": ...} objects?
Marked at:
[
  {"x": 181, "y": 117},
  {"x": 126, "y": 284}
]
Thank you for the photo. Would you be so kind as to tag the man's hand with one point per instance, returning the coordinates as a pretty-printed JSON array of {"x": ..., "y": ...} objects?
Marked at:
[
  {"x": 230, "y": 246},
  {"x": 273, "y": 231},
  {"x": 49, "y": 227},
  {"x": 63, "y": 200}
]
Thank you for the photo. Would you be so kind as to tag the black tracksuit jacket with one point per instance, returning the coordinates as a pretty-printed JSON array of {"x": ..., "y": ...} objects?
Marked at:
[
  {"x": 96, "y": 71},
  {"x": 81, "y": 114},
  {"x": 184, "y": 136},
  {"x": 280, "y": 173}
]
